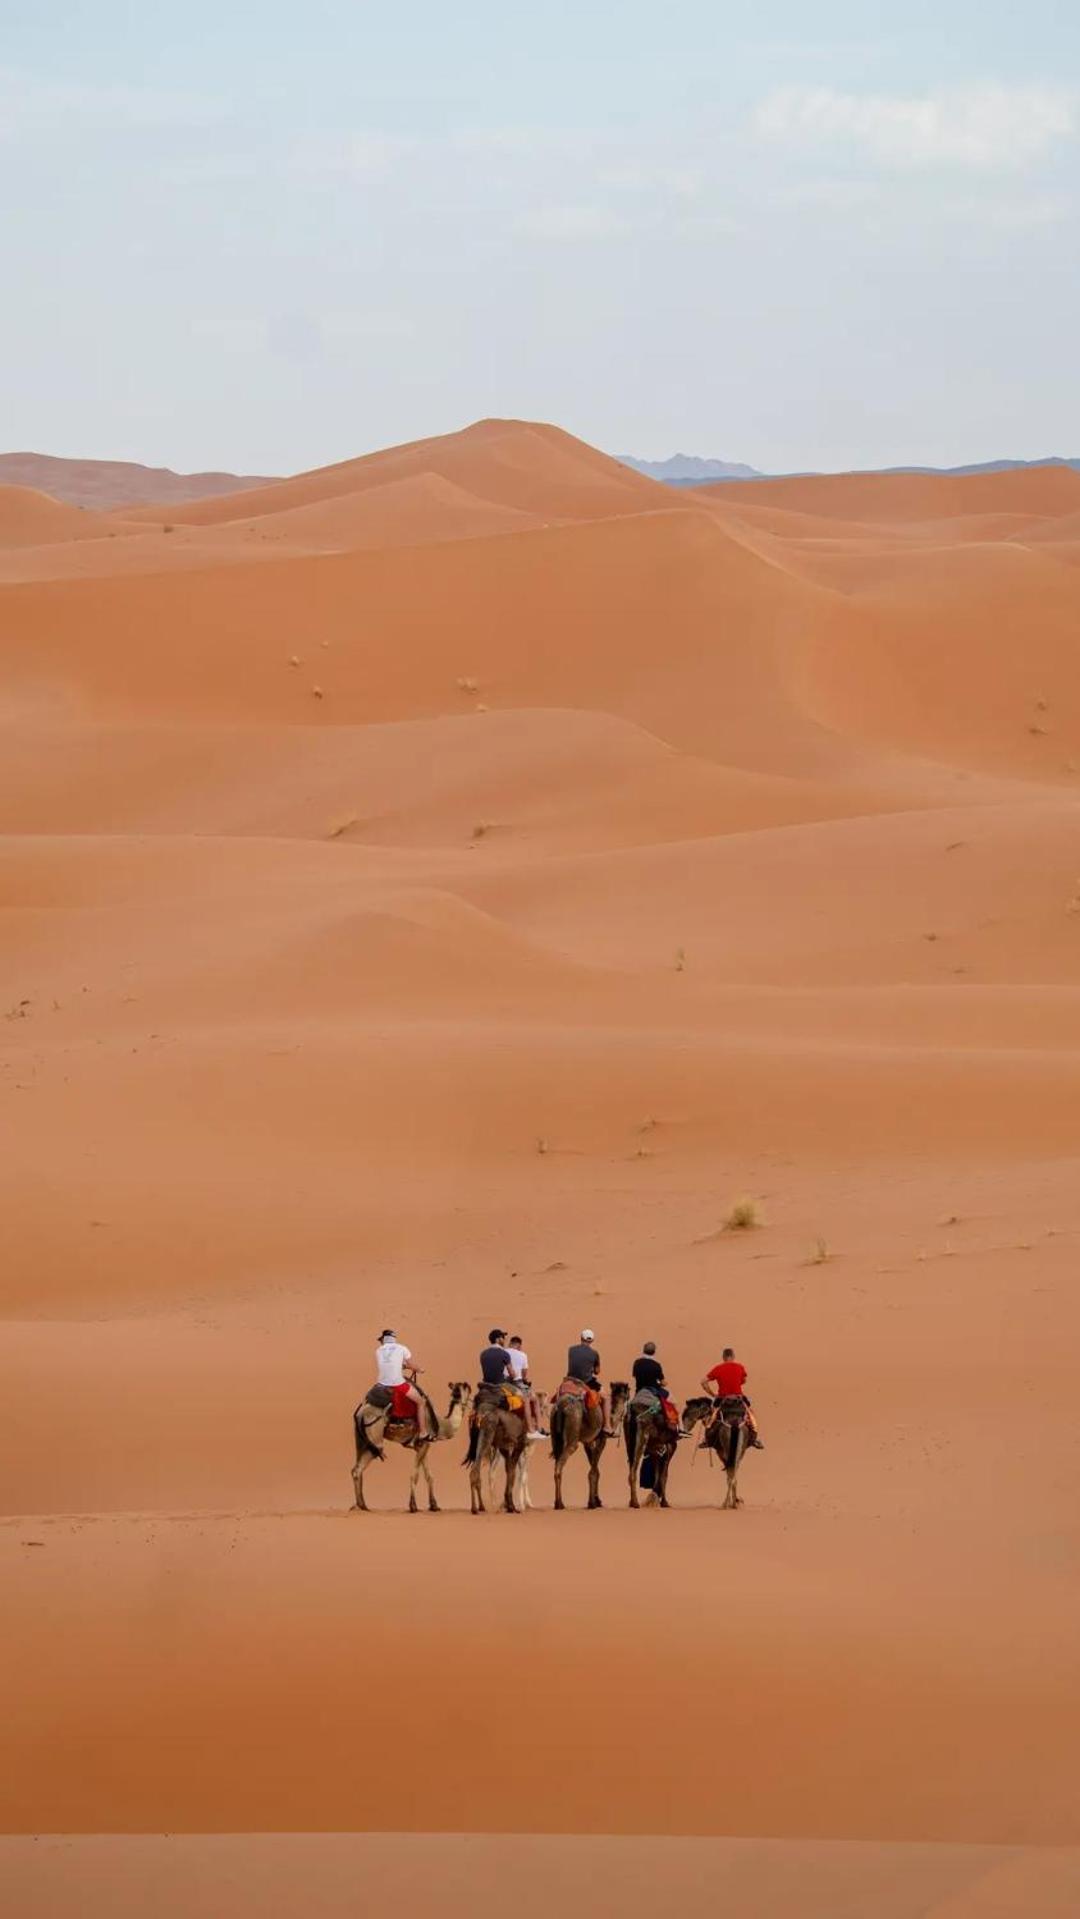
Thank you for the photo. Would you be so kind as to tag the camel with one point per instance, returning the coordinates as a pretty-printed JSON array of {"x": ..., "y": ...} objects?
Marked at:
[
  {"x": 372, "y": 1430},
  {"x": 522, "y": 1495},
  {"x": 728, "y": 1437},
  {"x": 572, "y": 1426},
  {"x": 496, "y": 1434},
  {"x": 648, "y": 1436}
]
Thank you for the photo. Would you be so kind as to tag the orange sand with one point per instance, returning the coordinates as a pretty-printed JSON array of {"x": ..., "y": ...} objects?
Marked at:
[{"x": 362, "y": 834}]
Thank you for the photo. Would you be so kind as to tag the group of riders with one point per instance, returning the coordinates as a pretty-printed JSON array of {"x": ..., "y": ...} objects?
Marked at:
[{"x": 506, "y": 1380}]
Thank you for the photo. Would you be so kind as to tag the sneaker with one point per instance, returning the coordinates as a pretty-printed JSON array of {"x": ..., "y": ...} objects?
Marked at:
[
  {"x": 758, "y": 1445},
  {"x": 532, "y": 1436}
]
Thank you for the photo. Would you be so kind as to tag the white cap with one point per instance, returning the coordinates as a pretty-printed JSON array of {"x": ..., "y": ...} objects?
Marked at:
[{"x": 587, "y": 1333}]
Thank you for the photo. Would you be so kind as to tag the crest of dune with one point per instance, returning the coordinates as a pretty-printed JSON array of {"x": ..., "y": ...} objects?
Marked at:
[{"x": 433, "y": 889}]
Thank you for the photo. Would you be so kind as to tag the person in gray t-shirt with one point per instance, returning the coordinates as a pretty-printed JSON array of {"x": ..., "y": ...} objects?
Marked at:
[{"x": 583, "y": 1363}]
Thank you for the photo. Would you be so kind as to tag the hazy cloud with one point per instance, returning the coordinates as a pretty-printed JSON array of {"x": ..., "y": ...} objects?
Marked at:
[
  {"x": 352, "y": 156},
  {"x": 572, "y": 223},
  {"x": 31, "y": 103},
  {"x": 979, "y": 127}
]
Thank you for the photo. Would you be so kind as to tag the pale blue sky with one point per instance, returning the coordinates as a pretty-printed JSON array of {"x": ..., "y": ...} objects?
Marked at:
[{"x": 272, "y": 235}]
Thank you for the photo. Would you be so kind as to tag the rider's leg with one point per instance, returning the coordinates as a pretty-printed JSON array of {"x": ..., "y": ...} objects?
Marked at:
[{"x": 421, "y": 1414}]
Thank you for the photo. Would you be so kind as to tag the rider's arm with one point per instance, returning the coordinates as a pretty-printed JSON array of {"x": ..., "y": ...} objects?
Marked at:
[{"x": 710, "y": 1385}]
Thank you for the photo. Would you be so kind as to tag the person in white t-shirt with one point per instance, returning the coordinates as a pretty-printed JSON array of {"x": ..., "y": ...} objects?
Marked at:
[
  {"x": 519, "y": 1366},
  {"x": 396, "y": 1369}
]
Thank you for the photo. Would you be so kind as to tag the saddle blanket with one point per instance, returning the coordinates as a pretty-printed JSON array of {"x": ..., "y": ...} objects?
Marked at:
[{"x": 577, "y": 1389}]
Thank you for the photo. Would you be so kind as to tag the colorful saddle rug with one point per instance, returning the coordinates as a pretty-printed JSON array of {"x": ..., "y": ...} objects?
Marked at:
[{"x": 577, "y": 1389}]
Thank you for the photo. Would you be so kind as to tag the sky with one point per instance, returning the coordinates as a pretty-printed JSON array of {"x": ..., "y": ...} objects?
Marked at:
[{"x": 266, "y": 237}]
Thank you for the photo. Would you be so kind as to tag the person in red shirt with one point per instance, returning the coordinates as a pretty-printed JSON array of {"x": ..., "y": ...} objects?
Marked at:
[{"x": 728, "y": 1381}]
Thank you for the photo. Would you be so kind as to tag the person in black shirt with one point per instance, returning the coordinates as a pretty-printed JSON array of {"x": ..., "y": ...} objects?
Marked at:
[
  {"x": 583, "y": 1363},
  {"x": 496, "y": 1370},
  {"x": 649, "y": 1378}
]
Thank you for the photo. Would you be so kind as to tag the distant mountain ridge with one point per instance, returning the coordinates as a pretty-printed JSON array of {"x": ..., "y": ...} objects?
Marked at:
[
  {"x": 686, "y": 469},
  {"x": 110, "y": 483}
]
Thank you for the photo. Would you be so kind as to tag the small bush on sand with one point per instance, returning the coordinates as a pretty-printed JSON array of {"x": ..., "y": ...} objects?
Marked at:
[
  {"x": 743, "y": 1217},
  {"x": 819, "y": 1253}
]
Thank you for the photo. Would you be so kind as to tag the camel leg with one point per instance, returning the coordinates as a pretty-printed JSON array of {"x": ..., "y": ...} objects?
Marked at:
[
  {"x": 635, "y": 1468},
  {"x": 593, "y": 1454},
  {"x": 432, "y": 1503},
  {"x": 413, "y": 1477},
  {"x": 511, "y": 1472},
  {"x": 523, "y": 1481},
  {"x": 358, "y": 1472},
  {"x": 423, "y": 1467},
  {"x": 661, "y": 1476},
  {"x": 476, "y": 1472},
  {"x": 560, "y": 1466}
]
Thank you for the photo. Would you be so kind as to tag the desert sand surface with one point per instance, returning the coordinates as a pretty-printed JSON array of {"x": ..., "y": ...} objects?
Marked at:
[{"x": 432, "y": 891}]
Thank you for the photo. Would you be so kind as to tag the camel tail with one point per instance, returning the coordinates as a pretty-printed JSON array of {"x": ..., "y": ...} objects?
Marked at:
[
  {"x": 363, "y": 1443},
  {"x": 557, "y": 1434},
  {"x": 474, "y": 1444}
]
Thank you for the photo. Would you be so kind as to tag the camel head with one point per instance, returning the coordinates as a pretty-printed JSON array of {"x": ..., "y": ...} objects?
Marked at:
[
  {"x": 460, "y": 1395},
  {"x": 696, "y": 1409},
  {"x": 620, "y": 1400}
]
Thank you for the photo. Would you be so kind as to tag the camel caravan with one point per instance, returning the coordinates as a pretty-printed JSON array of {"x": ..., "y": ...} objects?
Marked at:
[{"x": 505, "y": 1416}]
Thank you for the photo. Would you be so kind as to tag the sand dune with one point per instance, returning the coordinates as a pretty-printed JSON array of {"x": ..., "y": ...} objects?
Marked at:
[
  {"x": 511, "y": 463},
  {"x": 900, "y": 497},
  {"x": 432, "y": 889},
  {"x": 29, "y": 518}
]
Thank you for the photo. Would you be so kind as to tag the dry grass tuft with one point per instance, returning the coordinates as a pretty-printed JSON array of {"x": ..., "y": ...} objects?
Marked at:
[
  {"x": 819, "y": 1252},
  {"x": 316, "y": 693},
  {"x": 481, "y": 829},
  {"x": 680, "y": 959},
  {"x": 342, "y": 826},
  {"x": 542, "y": 1145},
  {"x": 466, "y": 684},
  {"x": 743, "y": 1217}
]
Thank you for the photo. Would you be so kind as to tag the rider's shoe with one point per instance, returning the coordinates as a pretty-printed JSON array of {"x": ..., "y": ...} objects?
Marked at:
[
  {"x": 609, "y": 1433},
  {"x": 531, "y": 1436},
  {"x": 758, "y": 1445}
]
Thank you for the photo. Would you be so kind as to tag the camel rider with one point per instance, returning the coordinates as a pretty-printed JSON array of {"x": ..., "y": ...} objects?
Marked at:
[
  {"x": 649, "y": 1378},
  {"x": 583, "y": 1363},
  {"x": 727, "y": 1381},
  {"x": 495, "y": 1369},
  {"x": 519, "y": 1366},
  {"x": 396, "y": 1369}
]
